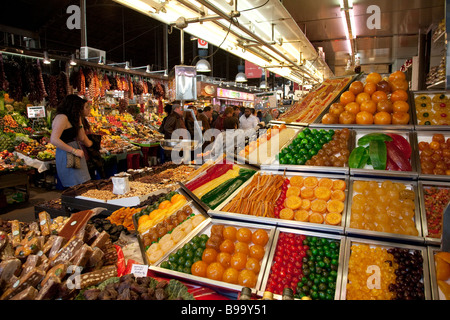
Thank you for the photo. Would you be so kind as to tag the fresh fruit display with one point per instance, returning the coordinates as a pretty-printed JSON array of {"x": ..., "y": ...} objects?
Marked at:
[
  {"x": 313, "y": 147},
  {"x": 435, "y": 201},
  {"x": 6, "y": 143},
  {"x": 10, "y": 162},
  {"x": 442, "y": 268},
  {"x": 165, "y": 209},
  {"x": 377, "y": 101},
  {"x": 432, "y": 109},
  {"x": 218, "y": 182},
  {"x": 169, "y": 238},
  {"x": 381, "y": 151},
  {"x": 383, "y": 206},
  {"x": 116, "y": 144},
  {"x": 305, "y": 199},
  {"x": 310, "y": 107},
  {"x": 306, "y": 264},
  {"x": 435, "y": 155},
  {"x": 124, "y": 217},
  {"x": 399, "y": 275},
  {"x": 230, "y": 254},
  {"x": 267, "y": 145}
]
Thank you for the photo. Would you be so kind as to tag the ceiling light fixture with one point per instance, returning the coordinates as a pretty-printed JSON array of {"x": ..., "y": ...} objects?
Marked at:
[
  {"x": 203, "y": 65},
  {"x": 72, "y": 61},
  {"x": 348, "y": 23},
  {"x": 241, "y": 77},
  {"x": 46, "y": 58}
]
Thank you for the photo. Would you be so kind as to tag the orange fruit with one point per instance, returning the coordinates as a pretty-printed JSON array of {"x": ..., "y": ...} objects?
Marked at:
[
  {"x": 215, "y": 271},
  {"x": 247, "y": 278},
  {"x": 198, "y": 268},
  {"x": 356, "y": 87},
  {"x": 382, "y": 117},
  {"x": 143, "y": 218},
  {"x": 293, "y": 191},
  {"x": 260, "y": 237},
  {"x": 397, "y": 75},
  {"x": 319, "y": 206},
  {"x": 227, "y": 246},
  {"x": 399, "y": 84},
  {"x": 352, "y": 107},
  {"x": 165, "y": 204},
  {"x": 363, "y": 96},
  {"x": 244, "y": 235},
  {"x": 209, "y": 255},
  {"x": 230, "y": 275},
  {"x": 399, "y": 95},
  {"x": 224, "y": 258},
  {"x": 296, "y": 181},
  {"x": 287, "y": 213},
  {"x": 347, "y": 117},
  {"x": 293, "y": 202},
  {"x": 310, "y": 182},
  {"x": 241, "y": 247},
  {"x": 373, "y": 77},
  {"x": 177, "y": 197},
  {"x": 400, "y": 118},
  {"x": 238, "y": 261},
  {"x": 229, "y": 233},
  {"x": 378, "y": 96},
  {"x": 336, "y": 109},
  {"x": 370, "y": 88},
  {"x": 369, "y": 106},
  {"x": 384, "y": 105},
  {"x": 364, "y": 117},
  {"x": 330, "y": 118},
  {"x": 257, "y": 251},
  {"x": 253, "y": 265},
  {"x": 347, "y": 97},
  {"x": 307, "y": 194},
  {"x": 325, "y": 182},
  {"x": 322, "y": 193},
  {"x": 400, "y": 106}
]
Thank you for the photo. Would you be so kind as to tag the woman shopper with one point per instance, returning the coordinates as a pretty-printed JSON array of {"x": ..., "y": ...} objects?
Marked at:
[{"x": 67, "y": 134}]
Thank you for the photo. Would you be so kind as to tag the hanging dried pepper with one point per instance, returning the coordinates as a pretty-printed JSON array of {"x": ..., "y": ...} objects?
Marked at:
[
  {"x": 3, "y": 81},
  {"x": 82, "y": 82}
]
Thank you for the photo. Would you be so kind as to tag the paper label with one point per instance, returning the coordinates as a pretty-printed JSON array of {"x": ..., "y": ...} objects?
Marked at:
[{"x": 139, "y": 270}]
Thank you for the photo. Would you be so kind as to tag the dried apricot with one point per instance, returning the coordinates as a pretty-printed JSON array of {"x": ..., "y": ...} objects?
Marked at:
[
  {"x": 339, "y": 185},
  {"x": 338, "y": 195}
]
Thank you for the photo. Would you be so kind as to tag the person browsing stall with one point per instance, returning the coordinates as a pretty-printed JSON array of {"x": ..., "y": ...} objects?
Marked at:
[
  {"x": 67, "y": 134},
  {"x": 248, "y": 120}
]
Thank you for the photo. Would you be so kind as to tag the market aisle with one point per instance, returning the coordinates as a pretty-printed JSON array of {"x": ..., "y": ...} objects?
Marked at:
[{"x": 25, "y": 212}]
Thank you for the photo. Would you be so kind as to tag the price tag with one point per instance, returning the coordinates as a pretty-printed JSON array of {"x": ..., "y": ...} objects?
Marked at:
[
  {"x": 139, "y": 270},
  {"x": 36, "y": 112}
]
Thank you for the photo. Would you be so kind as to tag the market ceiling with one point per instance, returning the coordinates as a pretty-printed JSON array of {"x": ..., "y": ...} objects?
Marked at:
[{"x": 128, "y": 35}]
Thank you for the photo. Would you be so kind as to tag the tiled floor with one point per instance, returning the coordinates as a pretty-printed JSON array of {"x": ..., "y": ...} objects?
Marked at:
[{"x": 25, "y": 212}]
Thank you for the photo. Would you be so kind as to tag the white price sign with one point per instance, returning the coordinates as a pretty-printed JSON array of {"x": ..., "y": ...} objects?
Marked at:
[
  {"x": 139, "y": 270},
  {"x": 36, "y": 112}
]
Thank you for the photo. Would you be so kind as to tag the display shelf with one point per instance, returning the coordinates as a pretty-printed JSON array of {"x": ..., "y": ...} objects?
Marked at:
[
  {"x": 216, "y": 284},
  {"x": 436, "y": 292},
  {"x": 426, "y": 229},
  {"x": 279, "y": 222},
  {"x": 379, "y": 235},
  {"x": 383, "y": 245},
  {"x": 428, "y": 102},
  {"x": 368, "y": 169},
  {"x": 273, "y": 251},
  {"x": 427, "y": 136}
]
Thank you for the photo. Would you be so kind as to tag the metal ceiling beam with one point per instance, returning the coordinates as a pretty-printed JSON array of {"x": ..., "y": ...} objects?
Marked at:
[{"x": 252, "y": 35}]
